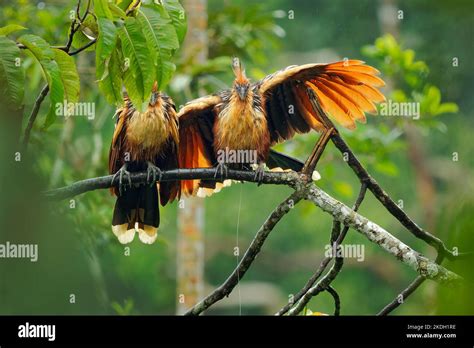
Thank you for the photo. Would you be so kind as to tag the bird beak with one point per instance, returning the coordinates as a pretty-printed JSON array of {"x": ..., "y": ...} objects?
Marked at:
[{"x": 242, "y": 92}]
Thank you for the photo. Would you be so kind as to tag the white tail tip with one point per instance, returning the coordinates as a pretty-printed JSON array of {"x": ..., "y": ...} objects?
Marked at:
[
  {"x": 124, "y": 236},
  {"x": 148, "y": 235}
]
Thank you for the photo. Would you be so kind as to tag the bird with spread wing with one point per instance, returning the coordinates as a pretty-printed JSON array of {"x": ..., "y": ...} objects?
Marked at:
[
  {"x": 256, "y": 116},
  {"x": 148, "y": 141}
]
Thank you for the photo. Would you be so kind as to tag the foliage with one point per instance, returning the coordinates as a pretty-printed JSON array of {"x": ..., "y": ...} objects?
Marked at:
[
  {"x": 409, "y": 76},
  {"x": 127, "y": 40}
]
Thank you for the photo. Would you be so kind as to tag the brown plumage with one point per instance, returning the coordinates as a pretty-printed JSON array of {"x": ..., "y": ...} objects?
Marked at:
[
  {"x": 143, "y": 141},
  {"x": 255, "y": 116}
]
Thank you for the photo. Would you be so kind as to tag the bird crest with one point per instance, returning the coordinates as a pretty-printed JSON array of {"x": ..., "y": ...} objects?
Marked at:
[{"x": 239, "y": 72}]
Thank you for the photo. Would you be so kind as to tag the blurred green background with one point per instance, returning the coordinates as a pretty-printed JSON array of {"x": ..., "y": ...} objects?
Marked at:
[{"x": 411, "y": 159}]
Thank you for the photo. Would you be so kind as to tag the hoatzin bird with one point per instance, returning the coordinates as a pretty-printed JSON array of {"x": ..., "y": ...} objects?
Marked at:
[
  {"x": 147, "y": 140},
  {"x": 255, "y": 116}
]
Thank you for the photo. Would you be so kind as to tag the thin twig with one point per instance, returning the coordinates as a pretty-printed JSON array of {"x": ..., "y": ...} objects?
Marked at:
[
  {"x": 397, "y": 301},
  {"x": 226, "y": 288},
  {"x": 402, "y": 296},
  {"x": 73, "y": 27},
  {"x": 86, "y": 46},
  {"x": 322, "y": 285},
  {"x": 337, "y": 300},
  {"x": 324, "y": 263},
  {"x": 321, "y": 268},
  {"x": 33, "y": 115}
]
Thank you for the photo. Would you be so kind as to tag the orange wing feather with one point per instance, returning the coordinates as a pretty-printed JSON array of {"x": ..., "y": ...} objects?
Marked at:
[
  {"x": 345, "y": 90},
  {"x": 196, "y": 149}
]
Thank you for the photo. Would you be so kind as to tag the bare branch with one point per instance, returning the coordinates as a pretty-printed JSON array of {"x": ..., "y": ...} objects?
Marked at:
[
  {"x": 226, "y": 288},
  {"x": 311, "y": 192},
  {"x": 324, "y": 263},
  {"x": 397, "y": 301},
  {"x": 386, "y": 201},
  {"x": 103, "y": 182},
  {"x": 381, "y": 237},
  {"x": 402, "y": 296}
]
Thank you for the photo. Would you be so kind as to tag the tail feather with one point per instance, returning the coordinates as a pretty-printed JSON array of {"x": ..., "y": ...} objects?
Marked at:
[
  {"x": 137, "y": 206},
  {"x": 148, "y": 234},
  {"x": 123, "y": 233}
]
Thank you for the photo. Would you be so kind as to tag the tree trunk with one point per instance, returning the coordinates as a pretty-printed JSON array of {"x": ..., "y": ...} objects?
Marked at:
[{"x": 190, "y": 241}]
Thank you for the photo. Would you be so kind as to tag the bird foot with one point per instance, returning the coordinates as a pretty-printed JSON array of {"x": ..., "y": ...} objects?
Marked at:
[
  {"x": 259, "y": 173},
  {"x": 152, "y": 172},
  {"x": 221, "y": 168},
  {"x": 121, "y": 173}
]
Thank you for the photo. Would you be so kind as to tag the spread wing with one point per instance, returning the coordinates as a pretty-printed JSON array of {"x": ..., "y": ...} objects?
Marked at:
[
  {"x": 344, "y": 90},
  {"x": 196, "y": 137}
]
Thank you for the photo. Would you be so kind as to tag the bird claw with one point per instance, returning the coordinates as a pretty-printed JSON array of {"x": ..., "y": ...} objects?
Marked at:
[
  {"x": 259, "y": 173},
  {"x": 153, "y": 171},
  {"x": 221, "y": 167},
  {"x": 121, "y": 173}
]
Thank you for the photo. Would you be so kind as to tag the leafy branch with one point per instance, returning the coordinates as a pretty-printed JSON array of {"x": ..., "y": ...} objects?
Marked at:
[
  {"x": 75, "y": 25},
  {"x": 135, "y": 43}
]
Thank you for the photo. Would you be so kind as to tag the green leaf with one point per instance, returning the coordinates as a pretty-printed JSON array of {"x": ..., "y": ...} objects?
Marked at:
[
  {"x": 178, "y": 17},
  {"x": 139, "y": 74},
  {"x": 11, "y": 29},
  {"x": 102, "y": 10},
  {"x": 45, "y": 55},
  {"x": 157, "y": 26},
  {"x": 167, "y": 70},
  {"x": 69, "y": 76},
  {"x": 117, "y": 11},
  {"x": 105, "y": 45},
  {"x": 38, "y": 46},
  {"x": 446, "y": 108},
  {"x": 56, "y": 90},
  {"x": 161, "y": 39},
  {"x": 111, "y": 82},
  {"x": 12, "y": 77}
]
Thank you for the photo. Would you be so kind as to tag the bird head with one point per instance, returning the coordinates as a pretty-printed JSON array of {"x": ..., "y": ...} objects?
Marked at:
[{"x": 241, "y": 82}]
